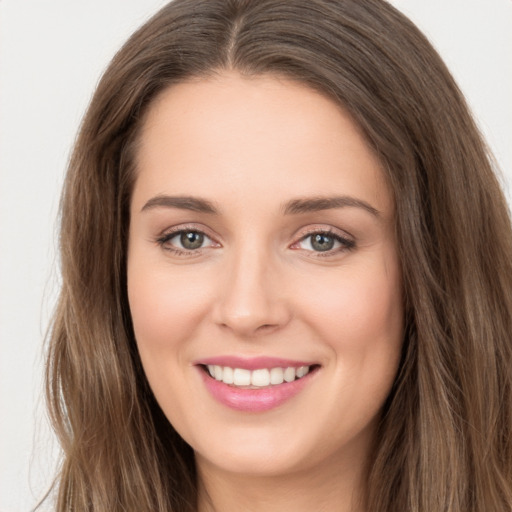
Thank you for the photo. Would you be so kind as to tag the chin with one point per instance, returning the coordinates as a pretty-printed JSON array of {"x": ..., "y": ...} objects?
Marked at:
[{"x": 255, "y": 460}]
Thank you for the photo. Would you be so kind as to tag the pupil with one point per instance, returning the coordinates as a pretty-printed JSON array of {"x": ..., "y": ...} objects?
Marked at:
[
  {"x": 191, "y": 240},
  {"x": 322, "y": 242}
]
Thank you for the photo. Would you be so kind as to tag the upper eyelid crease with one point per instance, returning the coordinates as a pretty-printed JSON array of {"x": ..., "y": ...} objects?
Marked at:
[{"x": 168, "y": 235}]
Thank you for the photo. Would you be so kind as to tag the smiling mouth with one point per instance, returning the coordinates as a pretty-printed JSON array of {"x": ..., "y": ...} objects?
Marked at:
[{"x": 259, "y": 378}]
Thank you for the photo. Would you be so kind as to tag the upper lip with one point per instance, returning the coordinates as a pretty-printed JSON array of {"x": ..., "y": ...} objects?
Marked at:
[{"x": 252, "y": 363}]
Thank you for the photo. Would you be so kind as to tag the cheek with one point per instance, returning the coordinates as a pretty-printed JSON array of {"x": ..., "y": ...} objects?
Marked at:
[
  {"x": 364, "y": 305},
  {"x": 166, "y": 305},
  {"x": 360, "y": 317},
  {"x": 167, "y": 308}
]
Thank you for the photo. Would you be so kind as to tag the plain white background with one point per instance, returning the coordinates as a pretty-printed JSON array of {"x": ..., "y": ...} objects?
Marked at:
[{"x": 51, "y": 56}]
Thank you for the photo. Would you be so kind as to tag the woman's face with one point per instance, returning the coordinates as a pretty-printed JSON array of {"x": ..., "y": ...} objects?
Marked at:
[{"x": 262, "y": 251}]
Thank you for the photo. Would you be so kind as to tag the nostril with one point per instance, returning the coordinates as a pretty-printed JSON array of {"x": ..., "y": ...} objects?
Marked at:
[{"x": 266, "y": 327}]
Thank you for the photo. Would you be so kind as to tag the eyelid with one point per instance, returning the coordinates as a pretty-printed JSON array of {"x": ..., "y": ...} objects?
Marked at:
[
  {"x": 169, "y": 233},
  {"x": 178, "y": 228},
  {"x": 347, "y": 241}
]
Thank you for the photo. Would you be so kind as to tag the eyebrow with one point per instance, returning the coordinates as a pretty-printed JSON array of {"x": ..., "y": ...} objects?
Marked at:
[
  {"x": 293, "y": 207},
  {"x": 315, "y": 204},
  {"x": 194, "y": 204}
]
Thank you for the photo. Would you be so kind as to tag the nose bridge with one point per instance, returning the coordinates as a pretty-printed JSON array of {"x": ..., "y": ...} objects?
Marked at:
[{"x": 250, "y": 298}]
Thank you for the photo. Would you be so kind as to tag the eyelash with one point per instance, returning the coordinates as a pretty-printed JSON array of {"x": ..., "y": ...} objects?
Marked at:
[
  {"x": 346, "y": 244},
  {"x": 164, "y": 240}
]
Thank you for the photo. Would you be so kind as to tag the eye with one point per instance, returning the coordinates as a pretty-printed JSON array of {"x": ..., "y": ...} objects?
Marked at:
[
  {"x": 190, "y": 240},
  {"x": 324, "y": 242},
  {"x": 186, "y": 240}
]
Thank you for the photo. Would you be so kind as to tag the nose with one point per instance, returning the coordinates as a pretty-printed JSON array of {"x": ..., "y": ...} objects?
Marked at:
[{"x": 251, "y": 300}]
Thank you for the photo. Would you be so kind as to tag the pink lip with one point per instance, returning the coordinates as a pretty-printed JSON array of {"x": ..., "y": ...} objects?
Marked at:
[
  {"x": 254, "y": 400},
  {"x": 253, "y": 363}
]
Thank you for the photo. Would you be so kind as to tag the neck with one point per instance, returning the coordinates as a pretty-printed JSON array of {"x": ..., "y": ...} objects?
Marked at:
[{"x": 336, "y": 486}]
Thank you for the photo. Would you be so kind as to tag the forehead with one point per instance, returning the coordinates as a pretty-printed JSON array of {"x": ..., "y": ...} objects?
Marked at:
[{"x": 254, "y": 135}]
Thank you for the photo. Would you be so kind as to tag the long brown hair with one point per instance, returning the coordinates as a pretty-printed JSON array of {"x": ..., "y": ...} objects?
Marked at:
[{"x": 445, "y": 439}]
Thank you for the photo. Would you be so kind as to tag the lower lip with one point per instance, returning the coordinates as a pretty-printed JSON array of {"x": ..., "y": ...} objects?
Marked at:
[{"x": 254, "y": 400}]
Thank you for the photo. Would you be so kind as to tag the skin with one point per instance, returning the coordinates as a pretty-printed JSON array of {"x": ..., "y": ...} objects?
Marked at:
[{"x": 258, "y": 287}]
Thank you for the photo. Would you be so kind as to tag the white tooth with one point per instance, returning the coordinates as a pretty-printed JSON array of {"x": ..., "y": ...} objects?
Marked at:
[
  {"x": 241, "y": 377},
  {"x": 227, "y": 375},
  {"x": 301, "y": 371},
  {"x": 289, "y": 374},
  {"x": 260, "y": 378},
  {"x": 218, "y": 372},
  {"x": 276, "y": 376},
  {"x": 211, "y": 370}
]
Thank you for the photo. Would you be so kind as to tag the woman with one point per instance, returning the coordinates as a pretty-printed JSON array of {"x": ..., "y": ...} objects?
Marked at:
[{"x": 286, "y": 273}]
